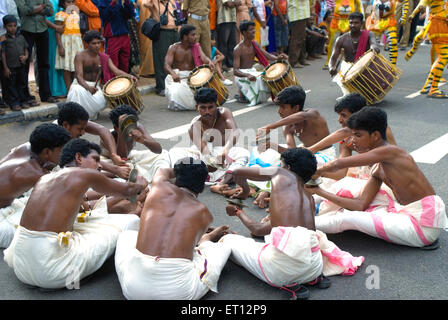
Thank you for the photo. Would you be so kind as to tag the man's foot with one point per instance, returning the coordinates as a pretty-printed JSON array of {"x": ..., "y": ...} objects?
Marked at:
[
  {"x": 161, "y": 93},
  {"x": 219, "y": 188},
  {"x": 297, "y": 65},
  {"x": 241, "y": 99},
  {"x": 310, "y": 58},
  {"x": 402, "y": 48},
  {"x": 437, "y": 95},
  {"x": 262, "y": 200},
  {"x": 425, "y": 90},
  {"x": 214, "y": 234},
  {"x": 16, "y": 108},
  {"x": 442, "y": 80},
  {"x": 50, "y": 100},
  {"x": 304, "y": 63},
  {"x": 432, "y": 246},
  {"x": 325, "y": 67},
  {"x": 299, "y": 292},
  {"x": 32, "y": 103},
  {"x": 321, "y": 282},
  {"x": 227, "y": 82},
  {"x": 266, "y": 219}
]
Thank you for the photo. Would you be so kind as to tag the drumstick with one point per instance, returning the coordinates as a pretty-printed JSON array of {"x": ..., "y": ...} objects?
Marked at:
[{"x": 98, "y": 76}]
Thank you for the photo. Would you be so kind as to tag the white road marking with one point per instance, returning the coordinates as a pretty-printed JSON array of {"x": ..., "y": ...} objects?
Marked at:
[
  {"x": 417, "y": 93},
  {"x": 180, "y": 130},
  {"x": 433, "y": 151}
]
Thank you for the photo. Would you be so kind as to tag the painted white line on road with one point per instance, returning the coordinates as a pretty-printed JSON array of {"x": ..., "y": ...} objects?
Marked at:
[
  {"x": 432, "y": 152},
  {"x": 417, "y": 93}
]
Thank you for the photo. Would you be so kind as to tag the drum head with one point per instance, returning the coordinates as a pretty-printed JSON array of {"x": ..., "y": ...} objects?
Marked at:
[
  {"x": 361, "y": 63},
  {"x": 275, "y": 70},
  {"x": 200, "y": 76},
  {"x": 117, "y": 86}
]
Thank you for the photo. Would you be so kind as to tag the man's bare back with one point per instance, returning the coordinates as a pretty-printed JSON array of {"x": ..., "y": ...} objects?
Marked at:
[{"x": 19, "y": 173}]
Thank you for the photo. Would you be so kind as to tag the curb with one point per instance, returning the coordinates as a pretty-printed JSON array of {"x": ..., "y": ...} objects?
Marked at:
[{"x": 50, "y": 111}]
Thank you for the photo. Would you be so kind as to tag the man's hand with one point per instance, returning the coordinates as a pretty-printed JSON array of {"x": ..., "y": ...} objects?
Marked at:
[
  {"x": 59, "y": 28},
  {"x": 142, "y": 181},
  {"x": 375, "y": 48},
  {"x": 113, "y": 2},
  {"x": 244, "y": 192},
  {"x": 282, "y": 56},
  {"x": 176, "y": 77},
  {"x": 22, "y": 59},
  {"x": 232, "y": 210},
  {"x": 134, "y": 79},
  {"x": 116, "y": 159},
  {"x": 7, "y": 72},
  {"x": 61, "y": 51},
  {"x": 136, "y": 135},
  {"x": 263, "y": 24},
  {"x": 224, "y": 159},
  {"x": 92, "y": 90},
  {"x": 262, "y": 132},
  {"x": 251, "y": 78},
  {"x": 312, "y": 190},
  {"x": 39, "y": 8},
  {"x": 122, "y": 171}
]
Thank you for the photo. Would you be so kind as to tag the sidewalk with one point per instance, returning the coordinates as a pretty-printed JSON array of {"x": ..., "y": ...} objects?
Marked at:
[{"x": 49, "y": 111}]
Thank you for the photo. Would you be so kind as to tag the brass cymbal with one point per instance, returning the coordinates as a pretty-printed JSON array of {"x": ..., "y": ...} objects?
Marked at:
[
  {"x": 237, "y": 202},
  {"x": 128, "y": 124}
]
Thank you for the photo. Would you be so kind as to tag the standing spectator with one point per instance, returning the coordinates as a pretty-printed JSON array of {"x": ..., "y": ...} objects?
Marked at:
[
  {"x": 280, "y": 14},
  {"x": 298, "y": 14},
  {"x": 197, "y": 12},
  {"x": 14, "y": 56},
  {"x": 269, "y": 7},
  {"x": 168, "y": 36},
  {"x": 146, "y": 59},
  {"x": 114, "y": 16},
  {"x": 242, "y": 13},
  {"x": 226, "y": 30},
  {"x": 70, "y": 42},
  {"x": 259, "y": 11},
  {"x": 55, "y": 77},
  {"x": 134, "y": 61},
  {"x": 212, "y": 17},
  {"x": 404, "y": 30},
  {"x": 35, "y": 30},
  {"x": 93, "y": 14}
]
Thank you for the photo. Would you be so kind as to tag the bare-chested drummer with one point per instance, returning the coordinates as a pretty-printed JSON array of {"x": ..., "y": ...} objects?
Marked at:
[
  {"x": 251, "y": 86},
  {"x": 397, "y": 203},
  {"x": 92, "y": 68},
  {"x": 173, "y": 255},
  {"x": 291, "y": 252},
  {"x": 182, "y": 57},
  {"x": 52, "y": 247},
  {"x": 354, "y": 44},
  {"x": 21, "y": 169},
  {"x": 214, "y": 134}
]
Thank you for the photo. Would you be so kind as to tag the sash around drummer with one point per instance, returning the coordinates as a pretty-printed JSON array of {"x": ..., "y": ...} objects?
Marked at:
[
  {"x": 182, "y": 57},
  {"x": 251, "y": 86}
]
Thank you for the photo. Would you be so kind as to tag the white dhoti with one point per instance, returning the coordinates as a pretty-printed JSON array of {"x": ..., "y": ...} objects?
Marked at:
[
  {"x": 146, "y": 277},
  {"x": 10, "y": 219},
  {"x": 255, "y": 91},
  {"x": 146, "y": 162},
  {"x": 239, "y": 156},
  {"x": 338, "y": 77},
  {"x": 417, "y": 224},
  {"x": 180, "y": 96},
  {"x": 291, "y": 256},
  {"x": 50, "y": 260},
  {"x": 93, "y": 103}
]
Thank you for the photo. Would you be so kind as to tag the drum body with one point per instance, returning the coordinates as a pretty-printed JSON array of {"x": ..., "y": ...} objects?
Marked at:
[
  {"x": 121, "y": 90},
  {"x": 278, "y": 75},
  {"x": 204, "y": 77},
  {"x": 372, "y": 76}
]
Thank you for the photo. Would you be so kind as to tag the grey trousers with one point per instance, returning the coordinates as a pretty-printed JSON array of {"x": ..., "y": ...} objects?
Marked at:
[{"x": 159, "y": 49}]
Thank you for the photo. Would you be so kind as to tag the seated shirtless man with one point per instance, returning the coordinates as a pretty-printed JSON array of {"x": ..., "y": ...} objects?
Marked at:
[
  {"x": 172, "y": 255},
  {"x": 214, "y": 134},
  {"x": 307, "y": 124},
  {"x": 251, "y": 86},
  {"x": 21, "y": 169},
  {"x": 397, "y": 203},
  {"x": 146, "y": 161},
  {"x": 182, "y": 57},
  {"x": 290, "y": 254},
  {"x": 89, "y": 65},
  {"x": 53, "y": 244},
  {"x": 345, "y": 107}
]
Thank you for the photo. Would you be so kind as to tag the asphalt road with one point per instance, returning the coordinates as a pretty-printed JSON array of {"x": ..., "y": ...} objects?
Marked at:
[{"x": 401, "y": 272}]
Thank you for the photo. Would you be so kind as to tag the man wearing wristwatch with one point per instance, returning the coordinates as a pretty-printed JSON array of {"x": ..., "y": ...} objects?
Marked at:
[{"x": 197, "y": 12}]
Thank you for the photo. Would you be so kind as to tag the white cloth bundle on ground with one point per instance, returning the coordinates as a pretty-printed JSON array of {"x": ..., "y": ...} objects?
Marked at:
[
  {"x": 146, "y": 162},
  {"x": 51, "y": 260},
  {"x": 338, "y": 77},
  {"x": 10, "y": 219},
  {"x": 256, "y": 92},
  {"x": 417, "y": 224},
  {"x": 239, "y": 155},
  {"x": 153, "y": 278},
  {"x": 180, "y": 96},
  {"x": 93, "y": 103},
  {"x": 291, "y": 255}
]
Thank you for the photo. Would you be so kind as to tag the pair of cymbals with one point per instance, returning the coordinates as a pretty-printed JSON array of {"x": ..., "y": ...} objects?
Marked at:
[{"x": 128, "y": 124}]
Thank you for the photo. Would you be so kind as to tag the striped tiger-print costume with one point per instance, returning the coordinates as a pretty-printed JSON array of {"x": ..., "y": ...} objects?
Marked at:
[{"x": 437, "y": 32}]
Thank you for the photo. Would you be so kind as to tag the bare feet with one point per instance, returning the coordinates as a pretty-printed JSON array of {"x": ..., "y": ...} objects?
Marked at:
[
  {"x": 266, "y": 219},
  {"x": 214, "y": 234},
  {"x": 262, "y": 200},
  {"x": 224, "y": 189}
]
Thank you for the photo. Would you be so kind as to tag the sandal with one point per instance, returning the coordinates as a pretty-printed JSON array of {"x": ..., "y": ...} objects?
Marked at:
[
  {"x": 241, "y": 99},
  {"x": 425, "y": 90},
  {"x": 32, "y": 103},
  {"x": 437, "y": 95}
]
